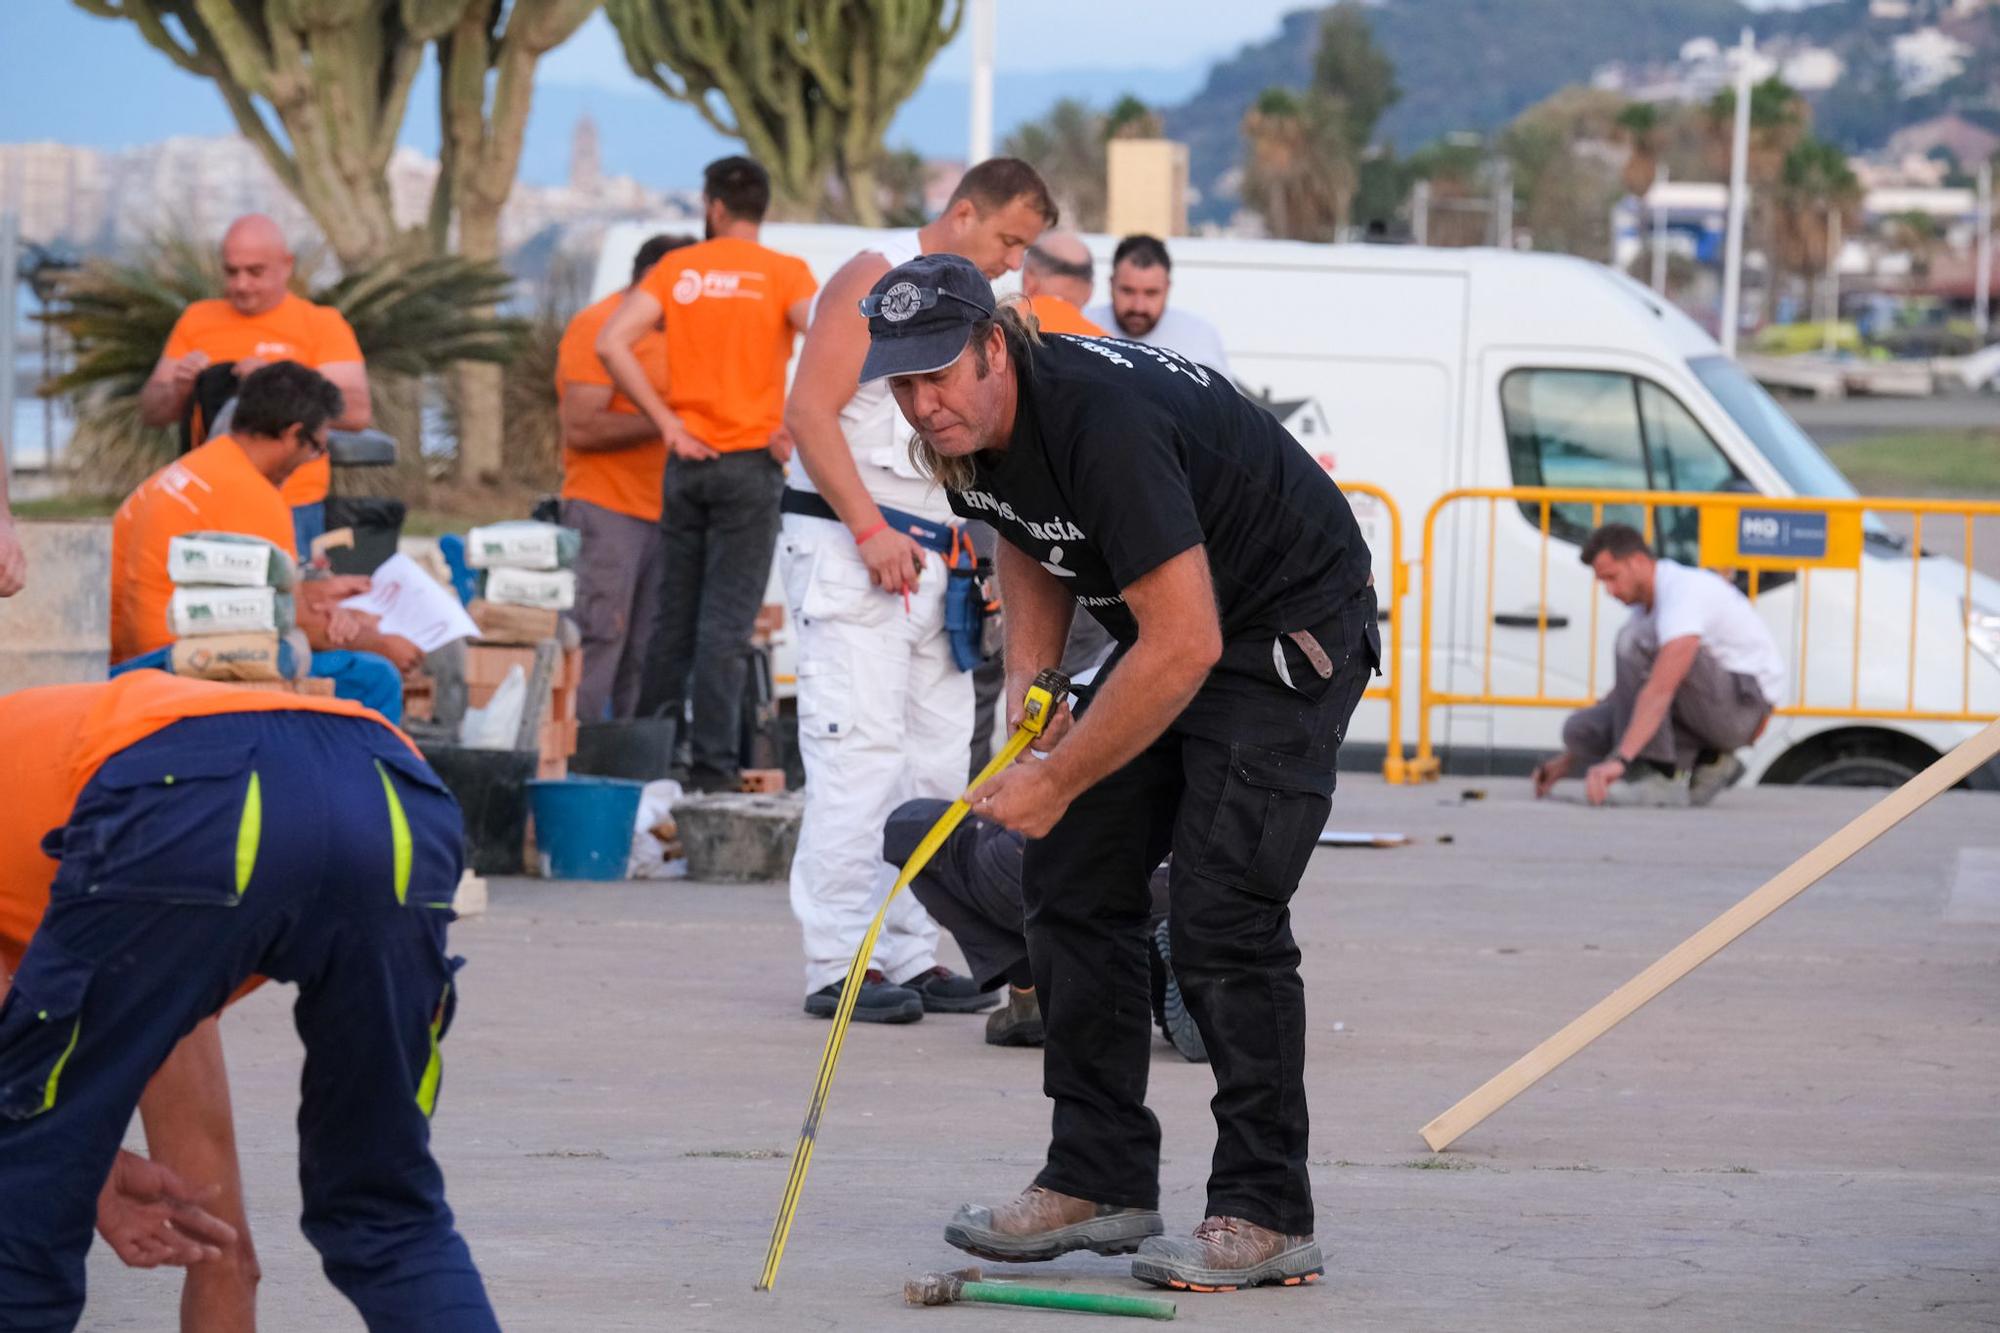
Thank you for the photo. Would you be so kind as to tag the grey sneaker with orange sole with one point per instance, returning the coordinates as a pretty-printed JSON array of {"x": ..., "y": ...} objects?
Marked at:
[
  {"x": 1226, "y": 1254},
  {"x": 1041, "y": 1224}
]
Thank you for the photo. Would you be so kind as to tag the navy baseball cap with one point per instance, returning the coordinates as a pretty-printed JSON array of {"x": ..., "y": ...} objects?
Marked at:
[{"x": 920, "y": 315}]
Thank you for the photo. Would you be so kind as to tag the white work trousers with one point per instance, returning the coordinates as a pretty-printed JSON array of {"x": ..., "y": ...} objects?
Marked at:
[{"x": 884, "y": 717}]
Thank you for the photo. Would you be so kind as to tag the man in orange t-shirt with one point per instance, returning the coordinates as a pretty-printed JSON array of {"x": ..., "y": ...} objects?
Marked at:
[
  {"x": 231, "y": 484},
  {"x": 257, "y": 322},
  {"x": 161, "y": 890},
  {"x": 732, "y": 310},
  {"x": 1056, "y": 277},
  {"x": 613, "y": 462}
]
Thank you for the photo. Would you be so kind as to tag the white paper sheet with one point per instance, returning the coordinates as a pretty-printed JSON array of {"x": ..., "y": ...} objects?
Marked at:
[{"x": 414, "y": 605}]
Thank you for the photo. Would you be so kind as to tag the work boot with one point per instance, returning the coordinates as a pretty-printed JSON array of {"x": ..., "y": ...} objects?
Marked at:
[
  {"x": 1226, "y": 1253},
  {"x": 945, "y": 992},
  {"x": 1018, "y": 1022},
  {"x": 1709, "y": 780},
  {"x": 1041, "y": 1224},
  {"x": 878, "y": 1002},
  {"x": 1649, "y": 789}
]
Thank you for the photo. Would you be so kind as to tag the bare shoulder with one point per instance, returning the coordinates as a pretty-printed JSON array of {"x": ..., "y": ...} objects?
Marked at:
[{"x": 859, "y": 273}]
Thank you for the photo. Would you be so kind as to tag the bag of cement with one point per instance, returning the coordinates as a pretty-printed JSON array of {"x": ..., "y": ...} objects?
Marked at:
[
  {"x": 656, "y": 846},
  {"x": 496, "y": 726},
  {"x": 549, "y": 590},
  {"x": 229, "y": 559},
  {"x": 522, "y": 544},
  {"x": 193, "y": 612},
  {"x": 227, "y": 657}
]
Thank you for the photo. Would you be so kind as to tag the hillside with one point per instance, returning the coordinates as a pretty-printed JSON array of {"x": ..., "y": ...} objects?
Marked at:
[{"x": 1476, "y": 64}]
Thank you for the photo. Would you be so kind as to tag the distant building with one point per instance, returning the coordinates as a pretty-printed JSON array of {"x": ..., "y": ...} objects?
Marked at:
[
  {"x": 1927, "y": 59},
  {"x": 97, "y": 200},
  {"x": 586, "y": 168}
]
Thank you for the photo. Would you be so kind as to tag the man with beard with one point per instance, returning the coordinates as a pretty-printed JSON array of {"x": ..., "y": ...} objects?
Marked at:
[
  {"x": 1141, "y": 276},
  {"x": 732, "y": 309}
]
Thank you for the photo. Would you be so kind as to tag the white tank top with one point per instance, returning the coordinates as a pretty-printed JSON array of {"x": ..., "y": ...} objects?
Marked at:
[{"x": 876, "y": 431}]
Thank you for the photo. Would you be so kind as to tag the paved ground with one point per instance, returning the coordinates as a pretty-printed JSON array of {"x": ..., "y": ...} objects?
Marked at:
[{"x": 1799, "y": 1136}]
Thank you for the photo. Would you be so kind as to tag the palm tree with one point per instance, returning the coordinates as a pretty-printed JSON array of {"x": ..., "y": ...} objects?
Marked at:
[
  {"x": 1296, "y": 172},
  {"x": 1067, "y": 147},
  {"x": 1917, "y": 235},
  {"x": 1130, "y": 118},
  {"x": 1779, "y": 121},
  {"x": 1639, "y": 128},
  {"x": 1815, "y": 183}
]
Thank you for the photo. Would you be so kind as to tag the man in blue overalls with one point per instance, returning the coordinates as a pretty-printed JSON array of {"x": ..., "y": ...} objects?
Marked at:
[{"x": 210, "y": 834}]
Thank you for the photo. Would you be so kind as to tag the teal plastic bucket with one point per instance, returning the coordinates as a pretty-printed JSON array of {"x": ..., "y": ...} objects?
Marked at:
[{"x": 583, "y": 826}]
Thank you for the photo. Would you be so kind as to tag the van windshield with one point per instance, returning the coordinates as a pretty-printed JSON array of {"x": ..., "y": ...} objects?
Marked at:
[{"x": 1775, "y": 434}]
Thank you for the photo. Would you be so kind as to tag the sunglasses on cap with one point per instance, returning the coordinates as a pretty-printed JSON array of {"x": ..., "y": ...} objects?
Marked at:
[{"x": 906, "y": 299}]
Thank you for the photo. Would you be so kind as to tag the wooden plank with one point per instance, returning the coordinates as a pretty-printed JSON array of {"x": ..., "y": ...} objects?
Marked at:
[{"x": 1710, "y": 940}]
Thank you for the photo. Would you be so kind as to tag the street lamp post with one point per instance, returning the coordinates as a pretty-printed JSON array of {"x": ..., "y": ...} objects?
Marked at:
[{"x": 1739, "y": 189}]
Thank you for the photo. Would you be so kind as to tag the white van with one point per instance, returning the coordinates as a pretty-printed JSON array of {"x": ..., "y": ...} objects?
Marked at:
[{"x": 1425, "y": 370}]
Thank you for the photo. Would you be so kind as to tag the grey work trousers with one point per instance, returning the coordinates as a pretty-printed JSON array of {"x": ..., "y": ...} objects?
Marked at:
[
  {"x": 719, "y": 528},
  {"x": 1714, "y": 709},
  {"x": 617, "y": 605}
]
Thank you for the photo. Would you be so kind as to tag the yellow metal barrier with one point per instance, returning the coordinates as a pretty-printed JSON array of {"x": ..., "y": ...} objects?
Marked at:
[
  {"x": 1722, "y": 525},
  {"x": 1394, "y": 767}
]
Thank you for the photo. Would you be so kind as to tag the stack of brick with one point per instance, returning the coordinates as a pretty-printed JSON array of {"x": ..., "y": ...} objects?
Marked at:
[{"x": 487, "y": 665}]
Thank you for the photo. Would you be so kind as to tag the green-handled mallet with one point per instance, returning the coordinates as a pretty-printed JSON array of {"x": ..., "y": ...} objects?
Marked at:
[{"x": 964, "y": 1285}]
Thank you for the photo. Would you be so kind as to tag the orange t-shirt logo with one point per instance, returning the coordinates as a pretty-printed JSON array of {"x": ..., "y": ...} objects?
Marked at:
[{"x": 718, "y": 285}]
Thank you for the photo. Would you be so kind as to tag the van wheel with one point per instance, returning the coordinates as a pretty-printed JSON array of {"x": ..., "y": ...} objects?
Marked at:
[{"x": 1853, "y": 759}]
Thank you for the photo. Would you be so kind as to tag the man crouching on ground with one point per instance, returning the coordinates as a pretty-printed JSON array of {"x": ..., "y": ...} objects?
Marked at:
[
  {"x": 1697, "y": 675},
  {"x": 1132, "y": 482}
]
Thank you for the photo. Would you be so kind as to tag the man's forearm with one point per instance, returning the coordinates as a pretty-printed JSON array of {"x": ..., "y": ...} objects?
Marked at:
[
  {"x": 1133, "y": 707},
  {"x": 606, "y": 431},
  {"x": 630, "y": 378},
  {"x": 357, "y": 408},
  {"x": 161, "y": 402},
  {"x": 1649, "y": 711},
  {"x": 1035, "y": 620}
]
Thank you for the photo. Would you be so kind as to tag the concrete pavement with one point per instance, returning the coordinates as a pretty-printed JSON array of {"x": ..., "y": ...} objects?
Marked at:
[{"x": 1801, "y": 1135}]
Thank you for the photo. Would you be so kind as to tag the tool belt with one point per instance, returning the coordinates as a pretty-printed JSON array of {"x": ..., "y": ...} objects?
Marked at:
[
  {"x": 934, "y": 536},
  {"x": 971, "y": 593}
]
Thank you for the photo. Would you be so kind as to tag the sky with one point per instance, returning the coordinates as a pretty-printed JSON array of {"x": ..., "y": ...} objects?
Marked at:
[{"x": 70, "y": 77}]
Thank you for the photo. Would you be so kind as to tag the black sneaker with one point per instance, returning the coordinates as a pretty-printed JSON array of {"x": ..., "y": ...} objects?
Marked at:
[
  {"x": 946, "y": 992},
  {"x": 879, "y": 1002}
]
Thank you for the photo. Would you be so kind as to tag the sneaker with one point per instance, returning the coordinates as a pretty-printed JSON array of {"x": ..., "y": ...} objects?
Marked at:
[
  {"x": 1018, "y": 1022},
  {"x": 1709, "y": 780},
  {"x": 945, "y": 992},
  {"x": 1176, "y": 1023},
  {"x": 879, "y": 1002},
  {"x": 1226, "y": 1253},
  {"x": 1041, "y": 1224},
  {"x": 1649, "y": 789}
]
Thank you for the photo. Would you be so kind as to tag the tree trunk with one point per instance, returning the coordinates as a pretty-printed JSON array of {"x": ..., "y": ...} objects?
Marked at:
[
  {"x": 864, "y": 198},
  {"x": 478, "y": 383}
]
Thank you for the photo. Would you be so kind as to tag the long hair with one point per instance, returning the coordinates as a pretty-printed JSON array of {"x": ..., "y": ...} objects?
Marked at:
[{"x": 1016, "y": 320}]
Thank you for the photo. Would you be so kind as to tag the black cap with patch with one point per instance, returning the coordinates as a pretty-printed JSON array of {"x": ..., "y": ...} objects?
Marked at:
[{"x": 920, "y": 315}]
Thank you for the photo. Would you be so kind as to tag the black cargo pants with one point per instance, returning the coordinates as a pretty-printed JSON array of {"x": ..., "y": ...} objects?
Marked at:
[{"x": 1238, "y": 789}]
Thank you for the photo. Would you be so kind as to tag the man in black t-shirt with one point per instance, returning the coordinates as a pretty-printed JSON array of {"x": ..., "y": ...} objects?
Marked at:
[{"x": 1140, "y": 486}]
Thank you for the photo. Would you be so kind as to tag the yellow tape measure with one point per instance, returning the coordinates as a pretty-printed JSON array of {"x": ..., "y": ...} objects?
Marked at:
[{"x": 1037, "y": 708}]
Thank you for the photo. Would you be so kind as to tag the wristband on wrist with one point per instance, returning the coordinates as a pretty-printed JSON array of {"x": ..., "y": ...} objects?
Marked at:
[{"x": 865, "y": 534}]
